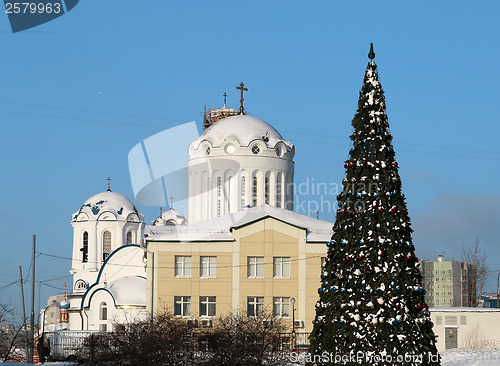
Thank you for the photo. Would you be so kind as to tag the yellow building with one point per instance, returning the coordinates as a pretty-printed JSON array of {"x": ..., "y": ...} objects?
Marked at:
[{"x": 253, "y": 260}]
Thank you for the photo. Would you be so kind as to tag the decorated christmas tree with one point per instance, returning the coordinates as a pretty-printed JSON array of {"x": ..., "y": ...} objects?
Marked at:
[{"x": 371, "y": 308}]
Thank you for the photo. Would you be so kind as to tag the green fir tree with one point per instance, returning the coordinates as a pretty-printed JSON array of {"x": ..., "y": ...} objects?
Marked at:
[{"x": 371, "y": 308}]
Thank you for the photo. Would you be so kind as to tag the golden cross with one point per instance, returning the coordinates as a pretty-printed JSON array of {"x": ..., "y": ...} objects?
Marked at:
[
  {"x": 242, "y": 88},
  {"x": 64, "y": 290},
  {"x": 161, "y": 210},
  {"x": 109, "y": 183},
  {"x": 171, "y": 202}
]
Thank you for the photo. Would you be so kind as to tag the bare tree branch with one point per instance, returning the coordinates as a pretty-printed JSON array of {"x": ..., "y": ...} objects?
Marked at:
[{"x": 477, "y": 272}]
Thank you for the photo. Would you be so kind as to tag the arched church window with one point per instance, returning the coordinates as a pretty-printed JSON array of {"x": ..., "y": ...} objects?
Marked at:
[
  {"x": 219, "y": 195},
  {"x": 266, "y": 190},
  {"x": 242, "y": 193},
  {"x": 106, "y": 245},
  {"x": 209, "y": 198},
  {"x": 254, "y": 192},
  {"x": 288, "y": 192},
  {"x": 129, "y": 237},
  {"x": 103, "y": 317},
  {"x": 103, "y": 311},
  {"x": 80, "y": 285},
  {"x": 85, "y": 249},
  {"x": 230, "y": 193},
  {"x": 278, "y": 190}
]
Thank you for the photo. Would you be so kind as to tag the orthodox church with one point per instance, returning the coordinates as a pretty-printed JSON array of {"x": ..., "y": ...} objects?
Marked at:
[
  {"x": 107, "y": 267},
  {"x": 241, "y": 174}
]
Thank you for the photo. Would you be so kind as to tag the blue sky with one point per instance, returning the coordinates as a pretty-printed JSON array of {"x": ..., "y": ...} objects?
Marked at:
[{"x": 79, "y": 92}]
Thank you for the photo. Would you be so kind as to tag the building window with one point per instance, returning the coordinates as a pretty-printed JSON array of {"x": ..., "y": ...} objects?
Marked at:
[
  {"x": 182, "y": 306},
  {"x": 182, "y": 266},
  {"x": 450, "y": 320},
  {"x": 266, "y": 190},
  {"x": 208, "y": 266},
  {"x": 207, "y": 305},
  {"x": 254, "y": 192},
  {"x": 106, "y": 245},
  {"x": 243, "y": 192},
  {"x": 281, "y": 307},
  {"x": 129, "y": 237},
  {"x": 255, "y": 149},
  {"x": 103, "y": 311},
  {"x": 255, "y": 267},
  {"x": 85, "y": 249},
  {"x": 278, "y": 191},
  {"x": 208, "y": 194},
  {"x": 255, "y": 306},
  {"x": 219, "y": 196},
  {"x": 281, "y": 267},
  {"x": 80, "y": 285}
]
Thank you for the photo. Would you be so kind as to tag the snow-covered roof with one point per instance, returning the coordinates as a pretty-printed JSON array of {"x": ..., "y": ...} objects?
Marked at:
[
  {"x": 122, "y": 276},
  {"x": 243, "y": 129},
  {"x": 220, "y": 228},
  {"x": 115, "y": 204},
  {"x": 463, "y": 310},
  {"x": 170, "y": 217},
  {"x": 129, "y": 291}
]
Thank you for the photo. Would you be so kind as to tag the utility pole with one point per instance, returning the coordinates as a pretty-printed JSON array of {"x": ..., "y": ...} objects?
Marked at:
[
  {"x": 32, "y": 323},
  {"x": 24, "y": 311},
  {"x": 152, "y": 287},
  {"x": 498, "y": 291}
]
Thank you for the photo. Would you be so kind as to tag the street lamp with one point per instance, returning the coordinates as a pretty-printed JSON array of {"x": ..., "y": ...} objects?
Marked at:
[{"x": 292, "y": 300}]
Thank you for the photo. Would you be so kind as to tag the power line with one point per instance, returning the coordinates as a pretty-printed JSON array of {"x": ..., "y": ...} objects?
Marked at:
[
  {"x": 81, "y": 119},
  {"x": 91, "y": 111},
  {"x": 173, "y": 267},
  {"x": 177, "y": 120},
  {"x": 54, "y": 279},
  {"x": 8, "y": 285},
  {"x": 57, "y": 288}
]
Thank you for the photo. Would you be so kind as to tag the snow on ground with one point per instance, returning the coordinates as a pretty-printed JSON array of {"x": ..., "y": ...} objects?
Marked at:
[
  {"x": 455, "y": 358},
  {"x": 470, "y": 358},
  {"x": 449, "y": 358}
]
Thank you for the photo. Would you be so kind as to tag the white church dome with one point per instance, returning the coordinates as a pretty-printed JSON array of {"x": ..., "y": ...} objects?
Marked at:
[
  {"x": 129, "y": 291},
  {"x": 239, "y": 161},
  {"x": 170, "y": 217},
  {"x": 243, "y": 129},
  {"x": 108, "y": 206}
]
